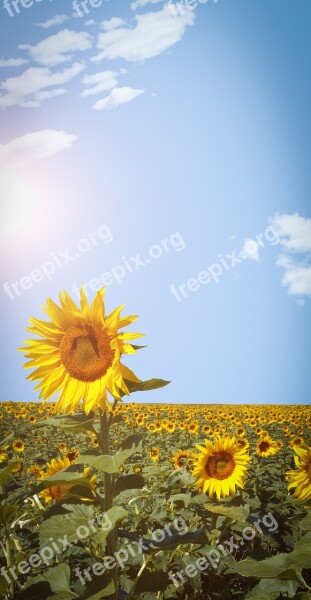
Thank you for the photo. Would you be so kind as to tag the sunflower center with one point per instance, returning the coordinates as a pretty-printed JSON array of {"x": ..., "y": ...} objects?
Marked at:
[
  {"x": 220, "y": 465},
  {"x": 264, "y": 446},
  {"x": 86, "y": 352}
]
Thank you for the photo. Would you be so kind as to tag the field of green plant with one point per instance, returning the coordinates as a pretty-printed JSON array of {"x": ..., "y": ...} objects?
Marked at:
[{"x": 177, "y": 502}]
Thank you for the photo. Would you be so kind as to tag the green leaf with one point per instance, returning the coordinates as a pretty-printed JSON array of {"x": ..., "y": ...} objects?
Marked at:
[
  {"x": 63, "y": 477},
  {"x": 281, "y": 566},
  {"x": 275, "y": 567},
  {"x": 35, "y": 591},
  {"x": 59, "y": 578},
  {"x": 305, "y": 523},
  {"x": 151, "y": 581},
  {"x": 112, "y": 516},
  {"x": 5, "y": 474},
  {"x": 132, "y": 440},
  {"x": 77, "y": 423},
  {"x": 94, "y": 526},
  {"x": 4, "y": 584},
  {"x": 99, "y": 587},
  {"x": 117, "y": 419},
  {"x": 128, "y": 482},
  {"x": 239, "y": 513},
  {"x": 56, "y": 527},
  {"x": 138, "y": 347},
  {"x": 183, "y": 498},
  {"x": 108, "y": 463},
  {"x": 7, "y": 513},
  {"x": 144, "y": 386},
  {"x": 270, "y": 589}
]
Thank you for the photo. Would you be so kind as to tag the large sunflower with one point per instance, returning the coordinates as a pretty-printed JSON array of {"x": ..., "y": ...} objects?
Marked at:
[
  {"x": 79, "y": 352},
  {"x": 220, "y": 467},
  {"x": 300, "y": 478}
]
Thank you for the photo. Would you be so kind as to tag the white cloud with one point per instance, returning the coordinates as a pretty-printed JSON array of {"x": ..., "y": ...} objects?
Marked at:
[
  {"x": 295, "y": 238},
  {"x": 35, "y": 146},
  {"x": 42, "y": 96},
  {"x": 100, "y": 82},
  {"x": 90, "y": 22},
  {"x": 250, "y": 250},
  {"x": 140, "y": 3},
  {"x": 57, "y": 20},
  {"x": 58, "y": 48},
  {"x": 23, "y": 89},
  {"x": 294, "y": 230},
  {"x": 118, "y": 96},
  {"x": 297, "y": 276},
  {"x": 154, "y": 33},
  {"x": 112, "y": 23},
  {"x": 13, "y": 62}
]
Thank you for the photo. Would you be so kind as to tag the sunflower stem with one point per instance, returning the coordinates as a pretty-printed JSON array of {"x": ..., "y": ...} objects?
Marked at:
[
  {"x": 9, "y": 561},
  {"x": 104, "y": 443},
  {"x": 257, "y": 489}
]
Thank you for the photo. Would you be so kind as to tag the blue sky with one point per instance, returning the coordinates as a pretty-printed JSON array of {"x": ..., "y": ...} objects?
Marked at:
[{"x": 164, "y": 151}]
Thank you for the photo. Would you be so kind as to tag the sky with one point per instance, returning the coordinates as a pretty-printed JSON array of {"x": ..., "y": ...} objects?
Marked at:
[{"x": 162, "y": 150}]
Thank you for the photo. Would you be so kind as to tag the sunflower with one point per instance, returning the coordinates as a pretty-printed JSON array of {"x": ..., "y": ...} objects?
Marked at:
[
  {"x": 72, "y": 455},
  {"x": 58, "y": 492},
  {"x": 154, "y": 453},
  {"x": 181, "y": 458},
  {"x": 170, "y": 427},
  {"x": 35, "y": 470},
  {"x": 193, "y": 428},
  {"x": 266, "y": 447},
  {"x": 300, "y": 478},
  {"x": 220, "y": 467},
  {"x": 79, "y": 353},
  {"x": 18, "y": 446},
  {"x": 296, "y": 441},
  {"x": 242, "y": 443},
  {"x": 3, "y": 453}
]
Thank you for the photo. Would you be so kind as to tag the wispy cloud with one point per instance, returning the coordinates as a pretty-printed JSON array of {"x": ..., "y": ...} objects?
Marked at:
[
  {"x": 57, "y": 20},
  {"x": 99, "y": 82},
  {"x": 155, "y": 32},
  {"x": 24, "y": 89},
  {"x": 295, "y": 232},
  {"x": 35, "y": 146},
  {"x": 116, "y": 97},
  {"x": 58, "y": 48},
  {"x": 140, "y": 3},
  {"x": 12, "y": 62},
  {"x": 112, "y": 23},
  {"x": 295, "y": 259},
  {"x": 297, "y": 276}
]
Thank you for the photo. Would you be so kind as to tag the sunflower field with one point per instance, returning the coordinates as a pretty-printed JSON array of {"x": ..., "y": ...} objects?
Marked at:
[{"x": 107, "y": 498}]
